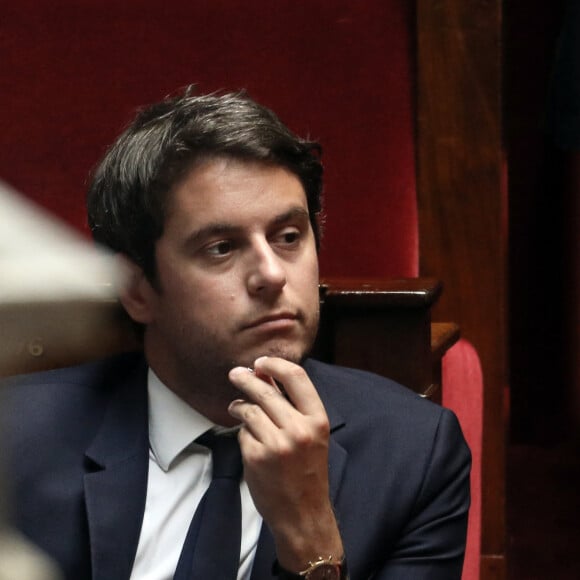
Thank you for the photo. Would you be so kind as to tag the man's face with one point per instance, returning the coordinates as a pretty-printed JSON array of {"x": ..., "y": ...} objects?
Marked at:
[{"x": 237, "y": 272}]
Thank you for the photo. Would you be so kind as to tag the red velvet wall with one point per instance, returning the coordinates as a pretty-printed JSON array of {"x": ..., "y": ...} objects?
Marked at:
[{"x": 337, "y": 70}]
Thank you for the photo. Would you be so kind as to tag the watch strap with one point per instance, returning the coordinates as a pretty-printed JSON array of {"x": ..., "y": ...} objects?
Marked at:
[{"x": 283, "y": 574}]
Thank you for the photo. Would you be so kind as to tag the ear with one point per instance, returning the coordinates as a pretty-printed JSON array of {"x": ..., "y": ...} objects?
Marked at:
[{"x": 137, "y": 295}]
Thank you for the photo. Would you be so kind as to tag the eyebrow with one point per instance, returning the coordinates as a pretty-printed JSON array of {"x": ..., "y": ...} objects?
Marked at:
[
  {"x": 290, "y": 215},
  {"x": 219, "y": 229}
]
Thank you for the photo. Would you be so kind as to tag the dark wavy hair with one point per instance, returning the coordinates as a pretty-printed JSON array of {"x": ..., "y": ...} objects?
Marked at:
[{"x": 128, "y": 194}]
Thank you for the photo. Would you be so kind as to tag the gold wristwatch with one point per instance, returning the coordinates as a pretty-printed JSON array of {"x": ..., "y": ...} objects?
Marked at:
[{"x": 320, "y": 569}]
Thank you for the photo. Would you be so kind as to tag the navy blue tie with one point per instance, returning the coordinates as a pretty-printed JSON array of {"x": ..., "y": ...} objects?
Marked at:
[{"x": 211, "y": 550}]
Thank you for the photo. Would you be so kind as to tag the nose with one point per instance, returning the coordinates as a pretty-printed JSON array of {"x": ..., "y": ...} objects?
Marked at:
[{"x": 266, "y": 272}]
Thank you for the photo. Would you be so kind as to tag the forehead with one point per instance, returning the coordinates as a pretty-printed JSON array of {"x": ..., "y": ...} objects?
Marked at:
[{"x": 231, "y": 188}]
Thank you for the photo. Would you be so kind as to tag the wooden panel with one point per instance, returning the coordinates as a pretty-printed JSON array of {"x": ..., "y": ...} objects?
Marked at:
[
  {"x": 47, "y": 335},
  {"x": 573, "y": 276},
  {"x": 462, "y": 211}
]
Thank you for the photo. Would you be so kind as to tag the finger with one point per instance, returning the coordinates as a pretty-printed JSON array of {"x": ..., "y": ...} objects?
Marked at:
[
  {"x": 268, "y": 379},
  {"x": 259, "y": 437},
  {"x": 296, "y": 383},
  {"x": 253, "y": 418},
  {"x": 264, "y": 394}
]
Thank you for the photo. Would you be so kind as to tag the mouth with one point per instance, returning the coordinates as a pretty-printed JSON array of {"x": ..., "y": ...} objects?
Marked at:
[{"x": 276, "y": 321}]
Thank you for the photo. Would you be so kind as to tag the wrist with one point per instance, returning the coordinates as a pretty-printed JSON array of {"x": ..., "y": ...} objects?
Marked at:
[{"x": 301, "y": 540}]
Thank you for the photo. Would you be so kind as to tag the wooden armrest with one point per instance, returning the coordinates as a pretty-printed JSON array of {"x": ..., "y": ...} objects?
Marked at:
[
  {"x": 385, "y": 326},
  {"x": 394, "y": 293},
  {"x": 443, "y": 336}
]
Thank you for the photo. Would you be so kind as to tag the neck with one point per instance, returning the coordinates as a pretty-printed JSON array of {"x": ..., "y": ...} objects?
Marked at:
[
  {"x": 211, "y": 404},
  {"x": 210, "y": 394}
]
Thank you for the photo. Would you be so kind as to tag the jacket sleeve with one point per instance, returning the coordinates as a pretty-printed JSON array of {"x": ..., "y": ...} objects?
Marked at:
[{"x": 432, "y": 544}]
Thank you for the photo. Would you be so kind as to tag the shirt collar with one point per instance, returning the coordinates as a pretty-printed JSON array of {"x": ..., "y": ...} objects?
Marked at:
[{"x": 173, "y": 424}]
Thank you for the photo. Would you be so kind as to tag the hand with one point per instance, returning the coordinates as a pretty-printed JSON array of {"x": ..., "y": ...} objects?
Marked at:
[{"x": 284, "y": 443}]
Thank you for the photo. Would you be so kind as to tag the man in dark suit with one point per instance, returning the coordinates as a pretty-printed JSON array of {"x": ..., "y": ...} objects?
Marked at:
[{"x": 214, "y": 204}]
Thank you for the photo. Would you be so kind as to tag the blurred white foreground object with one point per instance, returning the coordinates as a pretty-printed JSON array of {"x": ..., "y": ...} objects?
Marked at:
[
  {"x": 58, "y": 292},
  {"x": 19, "y": 560},
  {"x": 57, "y": 306},
  {"x": 42, "y": 259}
]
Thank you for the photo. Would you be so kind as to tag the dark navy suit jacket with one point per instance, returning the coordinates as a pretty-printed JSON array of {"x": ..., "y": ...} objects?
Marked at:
[{"x": 76, "y": 444}]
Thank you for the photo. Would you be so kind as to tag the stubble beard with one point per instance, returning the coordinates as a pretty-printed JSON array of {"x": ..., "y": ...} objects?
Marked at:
[{"x": 203, "y": 369}]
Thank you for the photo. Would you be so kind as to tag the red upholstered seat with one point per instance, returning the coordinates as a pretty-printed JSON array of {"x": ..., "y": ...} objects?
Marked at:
[{"x": 463, "y": 392}]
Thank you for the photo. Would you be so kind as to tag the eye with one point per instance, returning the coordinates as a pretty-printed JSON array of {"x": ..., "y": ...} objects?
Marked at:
[
  {"x": 289, "y": 236},
  {"x": 219, "y": 249}
]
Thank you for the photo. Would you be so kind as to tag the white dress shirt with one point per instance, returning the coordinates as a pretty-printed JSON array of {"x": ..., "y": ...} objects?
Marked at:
[{"x": 179, "y": 474}]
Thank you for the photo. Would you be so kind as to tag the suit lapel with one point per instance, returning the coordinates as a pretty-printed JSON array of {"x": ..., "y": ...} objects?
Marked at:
[
  {"x": 337, "y": 459},
  {"x": 116, "y": 487}
]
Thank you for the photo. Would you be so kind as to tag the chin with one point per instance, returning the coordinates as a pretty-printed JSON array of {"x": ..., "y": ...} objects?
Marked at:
[{"x": 290, "y": 353}]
